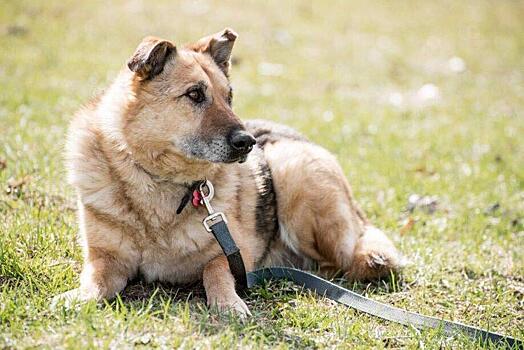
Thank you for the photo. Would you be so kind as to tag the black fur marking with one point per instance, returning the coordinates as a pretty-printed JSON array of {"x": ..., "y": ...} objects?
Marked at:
[{"x": 266, "y": 208}]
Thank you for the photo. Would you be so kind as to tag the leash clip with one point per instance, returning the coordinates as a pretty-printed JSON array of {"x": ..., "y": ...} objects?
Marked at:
[{"x": 213, "y": 216}]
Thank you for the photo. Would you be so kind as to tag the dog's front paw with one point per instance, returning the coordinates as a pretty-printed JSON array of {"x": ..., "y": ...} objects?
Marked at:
[
  {"x": 229, "y": 303},
  {"x": 67, "y": 299},
  {"x": 70, "y": 298}
]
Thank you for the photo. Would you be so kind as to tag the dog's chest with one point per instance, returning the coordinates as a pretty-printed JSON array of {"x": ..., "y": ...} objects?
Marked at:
[
  {"x": 176, "y": 247},
  {"x": 158, "y": 208},
  {"x": 176, "y": 258}
]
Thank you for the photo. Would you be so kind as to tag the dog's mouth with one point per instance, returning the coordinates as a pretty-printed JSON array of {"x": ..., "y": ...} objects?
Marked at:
[
  {"x": 215, "y": 151},
  {"x": 243, "y": 158},
  {"x": 238, "y": 159}
]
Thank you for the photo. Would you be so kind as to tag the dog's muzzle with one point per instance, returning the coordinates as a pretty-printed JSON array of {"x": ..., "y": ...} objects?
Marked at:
[{"x": 241, "y": 143}]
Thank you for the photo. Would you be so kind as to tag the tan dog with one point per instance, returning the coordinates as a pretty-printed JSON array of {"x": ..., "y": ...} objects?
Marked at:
[{"x": 165, "y": 123}]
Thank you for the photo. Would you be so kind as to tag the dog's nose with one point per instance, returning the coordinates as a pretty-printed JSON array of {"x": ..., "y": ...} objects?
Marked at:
[{"x": 242, "y": 141}]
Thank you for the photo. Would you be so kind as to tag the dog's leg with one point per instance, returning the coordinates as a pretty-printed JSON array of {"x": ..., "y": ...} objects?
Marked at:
[
  {"x": 110, "y": 259},
  {"x": 349, "y": 244},
  {"x": 220, "y": 287},
  {"x": 319, "y": 218},
  {"x": 103, "y": 276},
  {"x": 341, "y": 241}
]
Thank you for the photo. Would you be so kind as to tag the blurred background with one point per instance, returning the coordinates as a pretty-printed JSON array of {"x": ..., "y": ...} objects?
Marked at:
[
  {"x": 421, "y": 101},
  {"x": 408, "y": 81}
]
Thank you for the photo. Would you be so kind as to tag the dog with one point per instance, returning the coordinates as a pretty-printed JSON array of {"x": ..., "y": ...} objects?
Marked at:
[{"x": 166, "y": 122}]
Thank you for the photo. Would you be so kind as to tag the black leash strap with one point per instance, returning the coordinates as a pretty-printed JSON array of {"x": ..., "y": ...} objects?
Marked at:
[
  {"x": 216, "y": 223},
  {"x": 346, "y": 297},
  {"x": 232, "y": 253}
]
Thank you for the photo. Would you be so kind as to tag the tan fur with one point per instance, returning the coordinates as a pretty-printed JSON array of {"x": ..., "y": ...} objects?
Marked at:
[
  {"x": 130, "y": 168},
  {"x": 319, "y": 216}
]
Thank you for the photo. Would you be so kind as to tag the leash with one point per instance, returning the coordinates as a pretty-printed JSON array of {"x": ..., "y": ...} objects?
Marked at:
[
  {"x": 216, "y": 223},
  {"x": 387, "y": 312}
]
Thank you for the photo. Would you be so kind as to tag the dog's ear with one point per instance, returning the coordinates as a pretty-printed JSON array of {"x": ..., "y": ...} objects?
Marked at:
[
  {"x": 150, "y": 57},
  {"x": 219, "y": 47}
]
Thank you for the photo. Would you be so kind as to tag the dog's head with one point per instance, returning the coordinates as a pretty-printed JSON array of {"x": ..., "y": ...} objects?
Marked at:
[{"x": 183, "y": 101}]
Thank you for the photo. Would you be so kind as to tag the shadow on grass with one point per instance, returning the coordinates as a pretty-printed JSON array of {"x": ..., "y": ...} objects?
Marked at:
[
  {"x": 138, "y": 289},
  {"x": 270, "y": 304}
]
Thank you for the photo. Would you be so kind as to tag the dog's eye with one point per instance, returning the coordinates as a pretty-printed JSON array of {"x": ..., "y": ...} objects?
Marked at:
[
  {"x": 230, "y": 97},
  {"x": 196, "y": 95}
]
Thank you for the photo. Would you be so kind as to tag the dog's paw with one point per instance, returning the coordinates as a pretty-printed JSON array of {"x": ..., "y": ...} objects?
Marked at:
[
  {"x": 230, "y": 303},
  {"x": 69, "y": 299}
]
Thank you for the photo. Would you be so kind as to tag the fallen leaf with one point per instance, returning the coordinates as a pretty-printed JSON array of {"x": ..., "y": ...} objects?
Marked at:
[
  {"x": 423, "y": 170},
  {"x": 408, "y": 225},
  {"x": 14, "y": 186},
  {"x": 3, "y": 163}
]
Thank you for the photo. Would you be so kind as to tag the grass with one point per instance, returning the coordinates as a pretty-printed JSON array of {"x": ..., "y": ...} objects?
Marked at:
[{"x": 347, "y": 74}]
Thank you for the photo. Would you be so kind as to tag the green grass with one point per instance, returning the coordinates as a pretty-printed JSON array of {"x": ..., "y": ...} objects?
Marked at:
[{"x": 342, "y": 66}]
